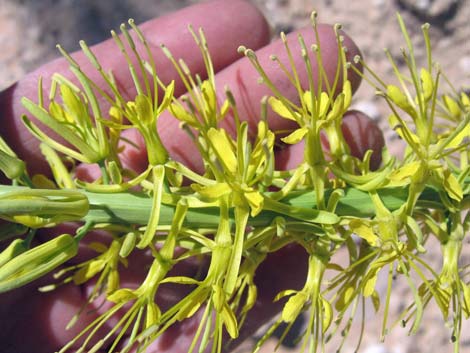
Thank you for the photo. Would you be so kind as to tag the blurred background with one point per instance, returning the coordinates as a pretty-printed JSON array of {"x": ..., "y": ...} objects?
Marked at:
[{"x": 30, "y": 29}]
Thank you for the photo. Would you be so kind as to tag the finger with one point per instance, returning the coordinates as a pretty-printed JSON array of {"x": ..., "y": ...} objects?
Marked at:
[
  {"x": 226, "y": 25},
  {"x": 360, "y": 132},
  {"x": 242, "y": 79}
]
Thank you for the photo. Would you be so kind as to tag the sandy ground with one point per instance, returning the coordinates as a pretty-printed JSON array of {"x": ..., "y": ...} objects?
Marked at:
[{"x": 29, "y": 30}]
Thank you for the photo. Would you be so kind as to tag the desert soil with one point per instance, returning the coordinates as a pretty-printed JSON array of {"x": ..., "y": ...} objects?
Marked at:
[{"x": 29, "y": 30}]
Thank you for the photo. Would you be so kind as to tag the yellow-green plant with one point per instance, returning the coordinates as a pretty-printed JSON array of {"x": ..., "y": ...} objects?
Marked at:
[{"x": 240, "y": 208}]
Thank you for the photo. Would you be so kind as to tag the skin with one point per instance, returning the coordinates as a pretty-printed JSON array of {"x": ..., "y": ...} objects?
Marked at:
[{"x": 32, "y": 322}]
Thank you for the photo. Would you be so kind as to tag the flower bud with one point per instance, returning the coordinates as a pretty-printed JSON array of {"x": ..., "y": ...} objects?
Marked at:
[{"x": 36, "y": 262}]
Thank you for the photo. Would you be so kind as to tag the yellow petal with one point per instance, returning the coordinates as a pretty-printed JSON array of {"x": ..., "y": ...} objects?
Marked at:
[
  {"x": 213, "y": 192},
  {"x": 295, "y": 137},
  {"x": 177, "y": 110},
  {"x": 281, "y": 109},
  {"x": 255, "y": 200},
  {"x": 452, "y": 106},
  {"x": 452, "y": 186},
  {"x": 364, "y": 230},
  {"x": 406, "y": 171},
  {"x": 323, "y": 105},
  {"x": 223, "y": 148},
  {"x": 428, "y": 84},
  {"x": 399, "y": 98}
]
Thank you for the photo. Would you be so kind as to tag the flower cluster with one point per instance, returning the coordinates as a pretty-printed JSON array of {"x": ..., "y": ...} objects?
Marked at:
[{"x": 240, "y": 207}]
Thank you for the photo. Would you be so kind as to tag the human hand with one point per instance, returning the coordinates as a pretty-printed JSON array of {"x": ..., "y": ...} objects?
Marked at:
[{"x": 31, "y": 321}]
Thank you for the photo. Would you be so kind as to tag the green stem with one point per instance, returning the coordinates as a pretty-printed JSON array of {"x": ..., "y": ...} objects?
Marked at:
[{"x": 135, "y": 207}]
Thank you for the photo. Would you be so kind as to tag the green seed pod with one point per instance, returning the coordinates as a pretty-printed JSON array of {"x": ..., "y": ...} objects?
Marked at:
[{"x": 36, "y": 262}]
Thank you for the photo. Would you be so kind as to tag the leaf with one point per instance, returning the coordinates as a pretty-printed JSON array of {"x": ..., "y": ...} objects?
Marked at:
[{"x": 296, "y": 136}]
